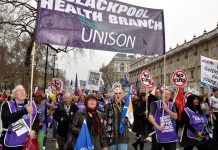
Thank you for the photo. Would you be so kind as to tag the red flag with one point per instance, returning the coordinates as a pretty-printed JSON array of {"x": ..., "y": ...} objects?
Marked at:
[
  {"x": 179, "y": 102},
  {"x": 4, "y": 96},
  {"x": 79, "y": 92}
]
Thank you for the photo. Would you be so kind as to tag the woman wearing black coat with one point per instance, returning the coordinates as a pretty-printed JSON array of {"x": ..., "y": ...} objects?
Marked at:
[{"x": 195, "y": 125}]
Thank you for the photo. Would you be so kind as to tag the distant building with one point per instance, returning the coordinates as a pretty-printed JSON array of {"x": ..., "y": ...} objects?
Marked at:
[
  {"x": 186, "y": 57},
  {"x": 116, "y": 70}
]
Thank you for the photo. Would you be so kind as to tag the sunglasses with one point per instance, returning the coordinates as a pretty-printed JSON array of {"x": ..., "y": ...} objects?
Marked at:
[{"x": 117, "y": 93}]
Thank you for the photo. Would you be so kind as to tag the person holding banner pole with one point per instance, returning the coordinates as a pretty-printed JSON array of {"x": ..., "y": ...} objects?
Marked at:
[
  {"x": 113, "y": 112},
  {"x": 16, "y": 120},
  {"x": 164, "y": 124}
]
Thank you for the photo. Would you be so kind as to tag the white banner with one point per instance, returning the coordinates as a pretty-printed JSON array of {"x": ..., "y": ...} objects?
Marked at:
[
  {"x": 93, "y": 82},
  {"x": 209, "y": 72}
]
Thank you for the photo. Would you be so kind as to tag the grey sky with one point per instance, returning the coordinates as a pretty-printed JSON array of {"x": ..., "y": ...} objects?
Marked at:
[{"x": 183, "y": 19}]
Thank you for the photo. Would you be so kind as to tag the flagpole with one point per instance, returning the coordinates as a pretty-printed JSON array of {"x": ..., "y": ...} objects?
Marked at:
[
  {"x": 31, "y": 83},
  {"x": 175, "y": 94}
]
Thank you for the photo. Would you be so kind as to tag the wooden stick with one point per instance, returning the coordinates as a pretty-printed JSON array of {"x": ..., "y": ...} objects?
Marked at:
[
  {"x": 31, "y": 83},
  {"x": 182, "y": 134},
  {"x": 146, "y": 89},
  {"x": 163, "y": 98}
]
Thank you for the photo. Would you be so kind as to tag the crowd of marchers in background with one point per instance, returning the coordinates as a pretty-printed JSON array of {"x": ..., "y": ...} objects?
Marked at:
[{"x": 155, "y": 116}]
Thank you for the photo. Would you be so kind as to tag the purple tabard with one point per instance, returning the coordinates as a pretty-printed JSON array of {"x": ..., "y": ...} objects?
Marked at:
[
  {"x": 41, "y": 114},
  {"x": 197, "y": 121},
  {"x": 12, "y": 138},
  {"x": 81, "y": 106},
  {"x": 168, "y": 135}
]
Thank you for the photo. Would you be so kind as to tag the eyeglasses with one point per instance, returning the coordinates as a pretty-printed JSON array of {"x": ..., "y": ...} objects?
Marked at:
[{"x": 117, "y": 93}]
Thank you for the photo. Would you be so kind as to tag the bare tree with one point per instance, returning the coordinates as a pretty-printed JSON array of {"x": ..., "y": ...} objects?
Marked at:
[{"x": 17, "y": 23}]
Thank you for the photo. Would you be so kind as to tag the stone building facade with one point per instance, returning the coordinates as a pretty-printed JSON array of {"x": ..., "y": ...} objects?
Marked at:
[
  {"x": 116, "y": 70},
  {"x": 186, "y": 57}
]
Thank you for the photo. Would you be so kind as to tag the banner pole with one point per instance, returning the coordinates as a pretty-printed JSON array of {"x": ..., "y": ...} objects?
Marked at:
[
  {"x": 31, "y": 83},
  {"x": 163, "y": 98}
]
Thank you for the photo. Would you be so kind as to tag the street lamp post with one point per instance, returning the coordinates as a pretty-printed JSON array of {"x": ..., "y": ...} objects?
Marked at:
[{"x": 46, "y": 66}]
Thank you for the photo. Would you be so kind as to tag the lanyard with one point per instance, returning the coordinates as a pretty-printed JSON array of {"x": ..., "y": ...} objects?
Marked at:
[{"x": 119, "y": 106}]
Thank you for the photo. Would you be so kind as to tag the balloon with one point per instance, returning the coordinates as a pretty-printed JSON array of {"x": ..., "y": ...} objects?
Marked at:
[{"x": 52, "y": 96}]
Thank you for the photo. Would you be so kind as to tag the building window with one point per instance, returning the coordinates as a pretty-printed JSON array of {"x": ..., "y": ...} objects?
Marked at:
[
  {"x": 192, "y": 76},
  {"x": 122, "y": 67},
  {"x": 214, "y": 52},
  {"x": 204, "y": 52},
  {"x": 191, "y": 59}
]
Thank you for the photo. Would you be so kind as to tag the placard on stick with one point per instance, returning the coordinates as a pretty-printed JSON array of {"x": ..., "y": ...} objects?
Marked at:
[
  {"x": 180, "y": 78},
  {"x": 146, "y": 79},
  {"x": 56, "y": 85}
]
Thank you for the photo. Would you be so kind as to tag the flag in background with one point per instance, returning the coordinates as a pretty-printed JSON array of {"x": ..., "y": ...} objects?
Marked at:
[
  {"x": 126, "y": 80},
  {"x": 77, "y": 91},
  {"x": 4, "y": 96},
  {"x": 179, "y": 102},
  {"x": 83, "y": 141},
  {"x": 127, "y": 111},
  {"x": 137, "y": 86}
]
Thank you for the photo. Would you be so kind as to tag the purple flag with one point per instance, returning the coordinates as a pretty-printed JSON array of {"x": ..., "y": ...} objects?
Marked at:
[{"x": 101, "y": 24}]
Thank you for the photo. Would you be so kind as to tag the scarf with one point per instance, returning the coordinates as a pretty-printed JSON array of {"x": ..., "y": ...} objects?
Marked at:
[
  {"x": 67, "y": 109},
  {"x": 96, "y": 122},
  {"x": 110, "y": 121}
]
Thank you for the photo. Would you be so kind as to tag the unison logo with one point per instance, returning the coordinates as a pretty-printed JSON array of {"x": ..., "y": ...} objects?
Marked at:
[{"x": 84, "y": 148}]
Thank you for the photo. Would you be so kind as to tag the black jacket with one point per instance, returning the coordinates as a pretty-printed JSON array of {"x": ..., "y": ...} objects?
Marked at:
[
  {"x": 63, "y": 119},
  {"x": 9, "y": 118}
]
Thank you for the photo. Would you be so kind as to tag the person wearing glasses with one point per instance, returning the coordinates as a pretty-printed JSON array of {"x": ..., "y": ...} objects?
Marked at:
[{"x": 113, "y": 111}]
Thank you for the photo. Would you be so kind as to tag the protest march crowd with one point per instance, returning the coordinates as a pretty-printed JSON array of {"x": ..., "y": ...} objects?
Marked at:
[{"x": 98, "y": 120}]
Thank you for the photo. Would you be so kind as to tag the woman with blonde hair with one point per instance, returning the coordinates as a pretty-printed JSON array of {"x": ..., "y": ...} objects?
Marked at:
[{"x": 113, "y": 112}]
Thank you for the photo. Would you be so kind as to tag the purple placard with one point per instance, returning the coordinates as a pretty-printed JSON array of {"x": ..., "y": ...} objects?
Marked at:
[{"x": 102, "y": 25}]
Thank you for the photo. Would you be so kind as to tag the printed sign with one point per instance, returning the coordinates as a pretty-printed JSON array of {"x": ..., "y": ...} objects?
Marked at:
[
  {"x": 56, "y": 85},
  {"x": 116, "y": 85},
  {"x": 209, "y": 72},
  {"x": 146, "y": 79},
  {"x": 93, "y": 82},
  {"x": 180, "y": 78},
  {"x": 101, "y": 25}
]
